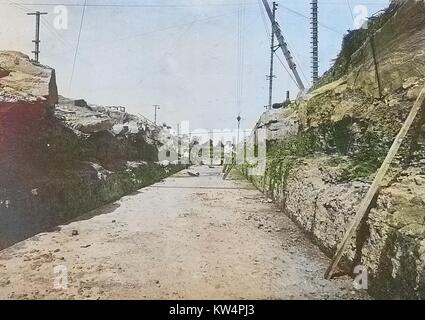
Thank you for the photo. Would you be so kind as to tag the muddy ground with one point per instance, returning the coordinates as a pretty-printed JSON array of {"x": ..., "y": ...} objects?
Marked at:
[{"x": 183, "y": 238}]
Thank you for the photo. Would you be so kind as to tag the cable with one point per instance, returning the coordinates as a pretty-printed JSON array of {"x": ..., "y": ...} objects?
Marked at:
[
  {"x": 21, "y": 7},
  {"x": 263, "y": 16},
  {"x": 266, "y": 28},
  {"x": 183, "y": 33},
  {"x": 44, "y": 21},
  {"x": 351, "y": 10},
  {"x": 113, "y": 5},
  {"x": 293, "y": 51},
  {"x": 177, "y": 26},
  {"x": 308, "y": 18},
  {"x": 240, "y": 56},
  {"x": 78, "y": 47},
  {"x": 54, "y": 33},
  {"x": 297, "y": 61},
  {"x": 243, "y": 29},
  {"x": 286, "y": 69}
]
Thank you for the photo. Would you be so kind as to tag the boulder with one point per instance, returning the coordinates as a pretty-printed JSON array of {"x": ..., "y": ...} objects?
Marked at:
[
  {"x": 23, "y": 81},
  {"x": 28, "y": 93},
  {"x": 83, "y": 119}
]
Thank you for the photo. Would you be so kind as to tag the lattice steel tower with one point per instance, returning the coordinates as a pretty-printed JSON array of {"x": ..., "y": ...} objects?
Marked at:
[{"x": 315, "y": 40}]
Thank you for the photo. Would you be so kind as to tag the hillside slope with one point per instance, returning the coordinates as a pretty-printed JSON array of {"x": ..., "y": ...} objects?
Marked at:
[{"x": 325, "y": 149}]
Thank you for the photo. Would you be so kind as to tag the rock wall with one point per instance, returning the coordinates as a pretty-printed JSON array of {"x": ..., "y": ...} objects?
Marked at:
[
  {"x": 397, "y": 42},
  {"x": 28, "y": 94},
  {"x": 37, "y": 205},
  {"x": 324, "y": 150},
  {"x": 60, "y": 159},
  {"x": 391, "y": 241}
]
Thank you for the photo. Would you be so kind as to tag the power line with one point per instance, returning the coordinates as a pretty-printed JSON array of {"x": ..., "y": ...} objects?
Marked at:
[
  {"x": 240, "y": 56},
  {"x": 297, "y": 61},
  {"x": 351, "y": 10},
  {"x": 263, "y": 17},
  {"x": 118, "y": 5},
  {"x": 44, "y": 21},
  {"x": 47, "y": 24},
  {"x": 177, "y": 26},
  {"x": 308, "y": 18},
  {"x": 284, "y": 47},
  {"x": 286, "y": 69},
  {"x": 269, "y": 35},
  {"x": 54, "y": 33},
  {"x": 38, "y": 15},
  {"x": 21, "y": 7},
  {"x": 78, "y": 46}
]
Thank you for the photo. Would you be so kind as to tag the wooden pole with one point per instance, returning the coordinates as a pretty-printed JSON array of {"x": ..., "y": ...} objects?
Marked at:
[
  {"x": 364, "y": 207},
  {"x": 228, "y": 170},
  {"x": 375, "y": 62}
]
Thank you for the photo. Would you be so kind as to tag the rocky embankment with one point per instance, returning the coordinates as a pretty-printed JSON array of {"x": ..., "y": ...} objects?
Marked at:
[
  {"x": 59, "y": 158},
  {"x": 325, "y": 149}
]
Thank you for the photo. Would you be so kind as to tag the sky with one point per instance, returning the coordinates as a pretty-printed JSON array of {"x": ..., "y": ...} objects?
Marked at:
[{"x": 202, "y": 61}]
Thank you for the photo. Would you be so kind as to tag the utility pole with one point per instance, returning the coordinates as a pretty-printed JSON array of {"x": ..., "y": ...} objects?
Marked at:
[
  {"x": 179, "y": 145},
  {"x": 284, "y": 46},
  {"x": 37, "y": 15},
  {"x": 315, "y": 40},
  {"x": 273, "y": 50},
  {"x": 157, "y": 107},
  {"x": 239, "y": 119}
]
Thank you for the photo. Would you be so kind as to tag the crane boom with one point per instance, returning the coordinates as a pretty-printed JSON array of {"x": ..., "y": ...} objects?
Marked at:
[{"x": 284, "y": 46}]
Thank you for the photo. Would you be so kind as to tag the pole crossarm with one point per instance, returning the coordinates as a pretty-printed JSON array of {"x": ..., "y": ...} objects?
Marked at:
[{"x": 36, "y": 42}]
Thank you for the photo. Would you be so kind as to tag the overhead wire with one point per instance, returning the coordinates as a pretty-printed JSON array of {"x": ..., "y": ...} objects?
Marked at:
[
  {"x": 77, "y": 47},
  {"x": 308, "y": 18},
  {"x": 120, "y": 5},
  {"x": 350, "y": 9},
  {"x": 266, "y": 28},
  {"x": 240, "y": 56}
]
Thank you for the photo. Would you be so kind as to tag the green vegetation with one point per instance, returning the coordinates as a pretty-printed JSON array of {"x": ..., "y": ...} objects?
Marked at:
[
  {"x": 336, "y": 137},
  {"x": 282, "y": 156},
  {"x": 301, "y": 145},
  {"x": 358, "y": 156},
  {"x": 352, "y": 42},
  {"x": 369, "y": 156}
]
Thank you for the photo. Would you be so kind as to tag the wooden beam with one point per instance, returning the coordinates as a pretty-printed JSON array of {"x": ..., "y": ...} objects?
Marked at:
[
  {"x": 373, "y": 190},
  {"x": 375, "y": 62},
  {"x": 228, "y": 170}
]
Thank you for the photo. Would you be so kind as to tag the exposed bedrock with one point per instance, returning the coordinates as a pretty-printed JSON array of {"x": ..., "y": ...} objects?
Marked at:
[
  {"x": 324, "y": 151},
  {"x": 59, "y": 160}
]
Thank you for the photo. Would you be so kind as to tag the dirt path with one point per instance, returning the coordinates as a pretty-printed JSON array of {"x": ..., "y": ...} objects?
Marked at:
[{"x": 183, "y": 238}]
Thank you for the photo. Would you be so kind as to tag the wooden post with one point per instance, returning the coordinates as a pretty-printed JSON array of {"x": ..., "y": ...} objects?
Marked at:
[
  {"x": 364, "y": 207},
  {"x": 229, "y": 169},
  {"x": 375, "y": 62}
]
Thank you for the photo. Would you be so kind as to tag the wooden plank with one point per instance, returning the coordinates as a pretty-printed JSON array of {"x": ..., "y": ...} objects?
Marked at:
[
  {"x": 375, "y": 62},
  {"x": 229, "y": 169},
  {"x": 364, "y": 207}
]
